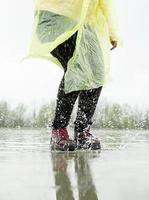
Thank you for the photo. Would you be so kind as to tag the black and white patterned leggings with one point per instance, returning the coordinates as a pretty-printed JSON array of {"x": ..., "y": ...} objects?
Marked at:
[{"x": 87, "y": 101}]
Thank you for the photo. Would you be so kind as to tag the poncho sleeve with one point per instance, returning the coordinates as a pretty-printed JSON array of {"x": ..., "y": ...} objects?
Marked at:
[{"x": 110, "y": 12}]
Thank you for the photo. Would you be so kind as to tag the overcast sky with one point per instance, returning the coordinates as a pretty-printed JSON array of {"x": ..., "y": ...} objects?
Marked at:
[{"x": 36, "y": 81}]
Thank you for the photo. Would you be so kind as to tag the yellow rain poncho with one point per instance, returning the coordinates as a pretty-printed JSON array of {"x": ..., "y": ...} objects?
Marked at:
[{"x": 57, "y": 20}]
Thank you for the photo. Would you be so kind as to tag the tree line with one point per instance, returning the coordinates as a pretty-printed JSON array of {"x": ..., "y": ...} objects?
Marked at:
[{"x": 107, "y": 115}]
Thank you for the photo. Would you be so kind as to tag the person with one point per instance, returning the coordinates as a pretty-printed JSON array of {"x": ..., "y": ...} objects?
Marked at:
[{"x": 78, "y": 37}]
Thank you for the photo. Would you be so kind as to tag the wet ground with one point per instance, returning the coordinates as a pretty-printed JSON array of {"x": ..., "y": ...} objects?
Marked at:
[{"x": 29, "y": 171}]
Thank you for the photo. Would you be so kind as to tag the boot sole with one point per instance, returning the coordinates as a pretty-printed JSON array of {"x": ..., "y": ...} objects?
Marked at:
[
  {"x": 55, "y": 147},
  {"x": 94, "y": 146}
]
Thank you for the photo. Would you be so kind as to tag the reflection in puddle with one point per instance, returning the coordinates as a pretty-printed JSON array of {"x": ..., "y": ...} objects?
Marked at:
[{"x": 64, "y": 177}]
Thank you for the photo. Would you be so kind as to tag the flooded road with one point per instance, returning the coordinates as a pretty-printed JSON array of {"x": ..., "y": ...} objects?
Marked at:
[{"x": 29, "y": 171}]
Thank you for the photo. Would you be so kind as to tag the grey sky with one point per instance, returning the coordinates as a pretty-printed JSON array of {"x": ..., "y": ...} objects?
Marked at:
[{"x": 36, "y": 81}]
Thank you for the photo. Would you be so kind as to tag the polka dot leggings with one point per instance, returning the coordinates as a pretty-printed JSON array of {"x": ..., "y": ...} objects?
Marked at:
[{"x": 87, "y": 99}]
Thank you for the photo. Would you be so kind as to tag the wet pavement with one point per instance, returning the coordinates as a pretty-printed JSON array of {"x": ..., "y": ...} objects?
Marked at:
[{"x": 30, "y": 171}]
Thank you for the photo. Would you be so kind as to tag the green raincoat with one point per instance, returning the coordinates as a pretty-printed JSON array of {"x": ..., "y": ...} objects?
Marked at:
[{"x": 57, "y": 20}]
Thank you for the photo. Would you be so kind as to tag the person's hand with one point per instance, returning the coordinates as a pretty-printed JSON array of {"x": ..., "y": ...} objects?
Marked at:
[{"x": 114, "y": 44}]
